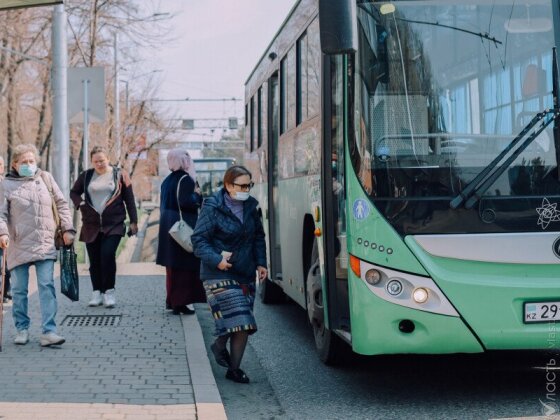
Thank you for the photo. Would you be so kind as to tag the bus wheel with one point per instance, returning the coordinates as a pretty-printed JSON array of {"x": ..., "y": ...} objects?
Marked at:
[
  {"x": 326, "y": 342},
  {"x": 270, "y": 292}
]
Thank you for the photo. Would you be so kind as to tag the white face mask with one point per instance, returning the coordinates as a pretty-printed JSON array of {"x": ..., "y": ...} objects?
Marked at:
[{"x": 241, "y": 196}]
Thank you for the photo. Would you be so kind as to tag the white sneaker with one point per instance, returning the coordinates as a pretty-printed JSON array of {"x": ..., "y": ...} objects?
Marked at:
[
  {"x": 22, "y": 337},
  {"x": 51, "y": 339},
  {"x": 109, "y": 298},
  {"x": 96, "y": 298}
]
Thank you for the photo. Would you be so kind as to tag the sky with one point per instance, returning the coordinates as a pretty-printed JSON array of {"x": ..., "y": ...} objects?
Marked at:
[{"x": 216, "y": 45}]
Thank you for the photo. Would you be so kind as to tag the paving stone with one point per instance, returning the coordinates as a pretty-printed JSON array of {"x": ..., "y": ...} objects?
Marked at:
[{"x": 101, "y": 372}]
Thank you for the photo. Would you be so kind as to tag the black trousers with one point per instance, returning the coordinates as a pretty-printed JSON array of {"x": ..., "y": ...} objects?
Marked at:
[{"x": 102, "y": 261}]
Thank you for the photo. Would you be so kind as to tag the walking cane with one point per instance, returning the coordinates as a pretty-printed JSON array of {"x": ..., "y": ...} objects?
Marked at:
[{"x": 2, "y": 294}]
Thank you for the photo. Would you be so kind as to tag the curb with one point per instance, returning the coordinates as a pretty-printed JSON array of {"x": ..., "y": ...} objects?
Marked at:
[{"x": 206, "y": 395}]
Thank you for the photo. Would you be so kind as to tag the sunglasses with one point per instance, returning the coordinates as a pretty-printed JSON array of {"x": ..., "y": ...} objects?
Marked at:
[{"x": 245, "y": 186}]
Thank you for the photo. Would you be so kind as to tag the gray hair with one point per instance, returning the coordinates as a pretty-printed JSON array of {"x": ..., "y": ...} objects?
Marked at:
[{"x": 22, "y": 149}]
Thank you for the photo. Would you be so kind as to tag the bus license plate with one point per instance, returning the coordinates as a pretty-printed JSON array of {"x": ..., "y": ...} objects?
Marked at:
[{"x": 542, "y": 311}]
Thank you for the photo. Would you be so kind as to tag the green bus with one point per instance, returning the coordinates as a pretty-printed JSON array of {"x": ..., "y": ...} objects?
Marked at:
[{"x": 405, "y": 156}]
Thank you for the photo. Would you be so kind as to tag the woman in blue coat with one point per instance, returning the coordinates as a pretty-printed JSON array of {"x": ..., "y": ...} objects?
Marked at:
[
  {"x": 182, "y": 268},
  {"x": 229, "y": 240}
]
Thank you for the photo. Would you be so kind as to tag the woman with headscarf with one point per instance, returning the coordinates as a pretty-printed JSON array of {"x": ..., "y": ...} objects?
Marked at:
[{"x": 179, "y": 190}]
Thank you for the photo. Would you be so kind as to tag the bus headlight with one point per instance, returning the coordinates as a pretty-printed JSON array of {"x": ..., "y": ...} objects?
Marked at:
[
  {"x": 402, "y": 288},
  {"x": 394, "y": 287},
  {"x": 373, "y": 277},
  {"x": 420, "y": 295}
]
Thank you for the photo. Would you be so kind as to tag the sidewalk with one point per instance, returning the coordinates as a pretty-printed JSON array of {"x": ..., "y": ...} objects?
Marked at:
[{"x": 135, "y": 361}]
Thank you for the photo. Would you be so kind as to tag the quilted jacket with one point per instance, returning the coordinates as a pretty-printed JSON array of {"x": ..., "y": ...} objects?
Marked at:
[
  {"x": 26, "y": 216},
  {"x": 218, "y": 229}
]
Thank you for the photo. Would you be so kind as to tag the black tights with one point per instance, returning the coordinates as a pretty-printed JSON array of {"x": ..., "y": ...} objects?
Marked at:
[{"x": 237, "y": 346}]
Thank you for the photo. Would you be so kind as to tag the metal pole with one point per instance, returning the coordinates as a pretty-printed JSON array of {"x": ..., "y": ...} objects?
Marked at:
[
  {"x": 85, "y": 162},
  {"x": 2, "y": 290},
  {"x": 61, "y": 135},
  {"x": 117, "y": 113}
]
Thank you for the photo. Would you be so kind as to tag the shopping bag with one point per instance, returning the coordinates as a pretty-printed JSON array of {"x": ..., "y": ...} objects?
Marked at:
[
  {"x": 69, "y": 280},
  {"x": 182, "y": 233}
]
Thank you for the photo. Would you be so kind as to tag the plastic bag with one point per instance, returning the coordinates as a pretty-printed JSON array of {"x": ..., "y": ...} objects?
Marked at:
[{"x": 69, "y": 280}]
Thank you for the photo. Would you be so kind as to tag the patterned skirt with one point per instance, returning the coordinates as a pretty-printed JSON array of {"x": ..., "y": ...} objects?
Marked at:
[{"x": 231, "y": 305}]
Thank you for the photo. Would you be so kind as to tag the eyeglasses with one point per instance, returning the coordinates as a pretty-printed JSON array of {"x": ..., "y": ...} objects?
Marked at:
[{"x": 245, "y": 186}]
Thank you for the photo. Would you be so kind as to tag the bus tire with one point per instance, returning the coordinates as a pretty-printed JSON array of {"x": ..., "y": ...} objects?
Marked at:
[
  {"x": 270, "y": 292},
  {"x": 327, "y": 344}
]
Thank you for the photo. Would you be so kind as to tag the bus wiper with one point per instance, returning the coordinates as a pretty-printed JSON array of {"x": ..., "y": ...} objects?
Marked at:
[
  {"x": 472, "y": 185},
  {"x": 477, "y": 193},
  {"x": 475, "y": 188}
]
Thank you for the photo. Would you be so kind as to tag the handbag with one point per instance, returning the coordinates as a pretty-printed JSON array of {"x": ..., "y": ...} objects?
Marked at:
[
  {"x": 58, "y": 234},
  {"x": 181, "y": 232},
  {"x": 69, "y": 280}
]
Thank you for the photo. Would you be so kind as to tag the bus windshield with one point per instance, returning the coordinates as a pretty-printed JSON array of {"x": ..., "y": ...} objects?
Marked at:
[{"x": 441, "y": 89}]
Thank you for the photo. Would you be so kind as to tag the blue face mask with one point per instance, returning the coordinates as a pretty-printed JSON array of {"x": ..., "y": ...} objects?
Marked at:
[{"x": 26, "y": 169}]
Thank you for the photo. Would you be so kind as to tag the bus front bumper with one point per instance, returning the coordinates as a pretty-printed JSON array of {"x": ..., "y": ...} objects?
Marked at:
[{"x": 382, "y": 327}]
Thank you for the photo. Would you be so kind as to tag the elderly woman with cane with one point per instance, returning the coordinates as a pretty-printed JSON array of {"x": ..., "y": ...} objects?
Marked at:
[{"x": 27, "y": 223}]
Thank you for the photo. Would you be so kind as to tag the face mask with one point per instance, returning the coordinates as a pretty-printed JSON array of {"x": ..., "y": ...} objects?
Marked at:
[
  {"x": 27, "y": 169},
  {"x": 241, "y": 196}
]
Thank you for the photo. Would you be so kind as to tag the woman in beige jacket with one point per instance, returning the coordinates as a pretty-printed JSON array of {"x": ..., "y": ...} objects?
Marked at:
[{"x": 27, "y": 225}]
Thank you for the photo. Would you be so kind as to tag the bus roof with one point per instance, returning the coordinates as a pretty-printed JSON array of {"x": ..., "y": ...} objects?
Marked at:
[{"x": 290, "y": 13}]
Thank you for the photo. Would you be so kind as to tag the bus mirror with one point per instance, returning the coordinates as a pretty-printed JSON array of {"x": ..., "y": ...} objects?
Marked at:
[{"x": 338, "y": 26}]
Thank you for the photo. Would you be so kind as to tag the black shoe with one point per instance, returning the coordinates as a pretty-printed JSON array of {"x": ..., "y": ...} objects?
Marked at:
[
  {"x": 168, "y": 306},
  {"x": 222, "y": 357},
  {"x": 182, "y": 310},
  {"x": 237, "y": 375}
]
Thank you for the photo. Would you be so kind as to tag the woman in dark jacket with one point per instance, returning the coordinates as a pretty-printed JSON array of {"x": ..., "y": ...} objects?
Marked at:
[
  {"x": 229, "y": 239},
  {"x": 182, "y": 268},
  {"x": 101, "y": 194}
]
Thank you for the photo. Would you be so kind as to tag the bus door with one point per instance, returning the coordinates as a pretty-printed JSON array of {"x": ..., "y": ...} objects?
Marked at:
[
  {"x": 273, "y": 171},
  {"x": 336, "y": 254}
]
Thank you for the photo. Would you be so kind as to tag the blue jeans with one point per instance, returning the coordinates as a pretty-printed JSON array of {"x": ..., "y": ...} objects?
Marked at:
[{"x": 47, "y": 294}]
